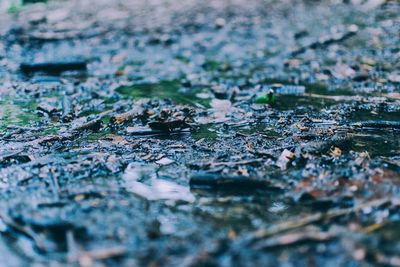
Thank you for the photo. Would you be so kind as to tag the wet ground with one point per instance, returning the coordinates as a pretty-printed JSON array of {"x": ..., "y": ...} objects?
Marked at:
[{"x": 152, "y": 138}]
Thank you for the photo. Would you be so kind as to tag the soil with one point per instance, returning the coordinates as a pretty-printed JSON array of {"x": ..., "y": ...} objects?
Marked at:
[{"x": 201, "y": 133}]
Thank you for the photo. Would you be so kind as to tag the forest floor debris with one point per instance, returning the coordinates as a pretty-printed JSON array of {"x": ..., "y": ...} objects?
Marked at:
[{"x": 201, "y": 133}]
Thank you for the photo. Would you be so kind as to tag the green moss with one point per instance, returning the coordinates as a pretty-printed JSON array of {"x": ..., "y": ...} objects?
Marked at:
[
  {"x": 95, "y": 136},
  {"x": 51, "y": 130},
  {"x": 268, "y": 98},
  {"x": 15, "y": 7},
  {"x": 212, "y": 65},
  {"x": 204, "y": 131},
  {"x": 183, "y": 59},
  {"x": 17, "y": 113}
]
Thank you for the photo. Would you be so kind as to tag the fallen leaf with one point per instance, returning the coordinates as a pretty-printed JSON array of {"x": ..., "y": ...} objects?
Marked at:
[
  {"x": 335, "y": 152},
  {"x": 284, "y": 159},
  {"x": 165, "y": 161}
]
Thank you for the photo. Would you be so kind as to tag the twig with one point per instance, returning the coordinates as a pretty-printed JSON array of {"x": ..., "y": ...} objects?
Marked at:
[
  {"x": 53, "y": 67},
  {"x": 93, "y": 125},
  {"x": 217, "y": 181},
  {"x": 125, "y": 117},
  {"x": 289, "y": 239},
  {"x": 67, "y": 109},
  {"x": 301, "y": 222},
  {"x": 26, "y": 231},
  {"x": 377, "y": 124},
  {"x": 235, "y": 163}
]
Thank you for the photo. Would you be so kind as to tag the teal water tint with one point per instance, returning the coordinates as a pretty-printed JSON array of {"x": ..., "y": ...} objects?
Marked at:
[{"x": 165, "y": 90}]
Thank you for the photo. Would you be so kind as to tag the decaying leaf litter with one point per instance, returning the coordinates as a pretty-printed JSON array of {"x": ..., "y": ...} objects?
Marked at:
[{"x": 203, "y": 133}]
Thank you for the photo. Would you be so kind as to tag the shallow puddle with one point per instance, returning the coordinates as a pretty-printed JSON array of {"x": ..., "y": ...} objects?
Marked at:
[
  {"x": 298, "y": 103},
  {"x": 165, "y": 90},
  {"x": 259, "y": 128},
  {"x": 296, "y": 97},
  {"x": 244, "y": 212},
  {"x": 206, "y": 131},
  {"x": 313, "y": 88},
  {"x": 378, "y": 144},
  {"x": 129, "y": 185},
  {"x": 365, "y": 115}
]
